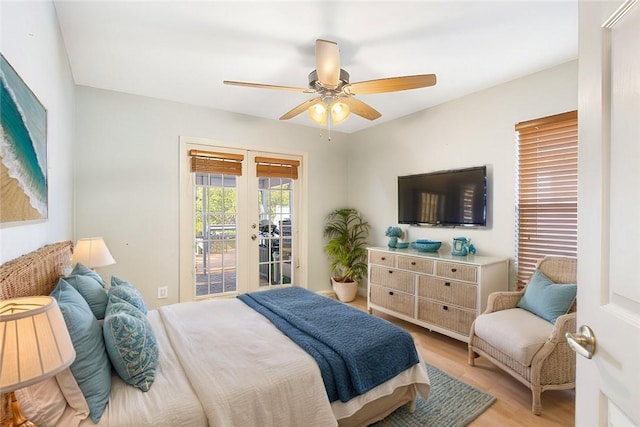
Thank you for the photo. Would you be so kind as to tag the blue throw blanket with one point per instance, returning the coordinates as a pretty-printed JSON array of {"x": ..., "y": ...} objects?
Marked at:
[{"x": 354, "y": 350}]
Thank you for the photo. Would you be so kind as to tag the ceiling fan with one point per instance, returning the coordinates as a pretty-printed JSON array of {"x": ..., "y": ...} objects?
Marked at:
[{"x": 335, "y": 94}]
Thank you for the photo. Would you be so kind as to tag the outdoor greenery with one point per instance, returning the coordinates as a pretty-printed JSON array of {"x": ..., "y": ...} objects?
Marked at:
[
  {"x": 346, "y": 246},
  {"x": 220, "y": 206}
]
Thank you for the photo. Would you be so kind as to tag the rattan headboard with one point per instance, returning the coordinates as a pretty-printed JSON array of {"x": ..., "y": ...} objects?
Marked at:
[{"x": 35, "y": 273}]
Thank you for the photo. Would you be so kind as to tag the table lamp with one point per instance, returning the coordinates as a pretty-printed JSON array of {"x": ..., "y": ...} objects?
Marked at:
[
  {"x": 34, "y": 345},
  {"x": 92, "y": 252}
]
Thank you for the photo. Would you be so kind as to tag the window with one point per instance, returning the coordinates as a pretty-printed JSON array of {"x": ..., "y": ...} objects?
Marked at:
[
  {"x": 547, "y": 190},
  {"x": 215, "y": 220}
]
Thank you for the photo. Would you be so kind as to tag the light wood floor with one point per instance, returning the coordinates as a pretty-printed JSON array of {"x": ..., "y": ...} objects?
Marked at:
[{"x": 513, "y": 404}]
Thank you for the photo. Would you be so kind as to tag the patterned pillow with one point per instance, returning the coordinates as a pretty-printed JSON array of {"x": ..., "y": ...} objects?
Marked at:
[
  {"x": 131, "y": 343},
  {"x": 92, "y": 291},
  {"x": 91, "y": 368},
  {"x": 126, "y": 291}
]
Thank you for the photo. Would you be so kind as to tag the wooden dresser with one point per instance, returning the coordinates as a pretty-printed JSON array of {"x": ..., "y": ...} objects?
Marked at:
[{"x": 438, "y": 291}]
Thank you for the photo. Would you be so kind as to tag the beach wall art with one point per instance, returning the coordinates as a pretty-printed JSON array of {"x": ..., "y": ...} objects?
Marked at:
[{"x": 23, "y": 150}]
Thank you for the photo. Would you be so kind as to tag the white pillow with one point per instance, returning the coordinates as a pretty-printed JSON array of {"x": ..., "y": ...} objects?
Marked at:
[
  {"x": 43, "y": 403},
  {"x": 55, "y": 401}
]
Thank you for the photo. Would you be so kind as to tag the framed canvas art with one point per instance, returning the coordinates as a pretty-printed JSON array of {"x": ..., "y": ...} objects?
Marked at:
[{"x": 23, "y": 150}]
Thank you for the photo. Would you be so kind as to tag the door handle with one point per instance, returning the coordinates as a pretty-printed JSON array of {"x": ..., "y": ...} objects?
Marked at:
[
  {"x": 583, "y": 342},
  {"x": 254, "y": 237}
]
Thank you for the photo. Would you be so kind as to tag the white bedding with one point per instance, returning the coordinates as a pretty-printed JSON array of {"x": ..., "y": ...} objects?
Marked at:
[
  {"x": 223, "y": 364},
  {"x": 170, "y": 402}
]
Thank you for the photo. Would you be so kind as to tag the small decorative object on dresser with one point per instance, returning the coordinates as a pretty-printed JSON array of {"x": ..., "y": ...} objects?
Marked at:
[
  {"x": 393, "y": 233},
  {"x": 346, "y": 232},
  {"x": 438, "y": 291},
  {"x": 460, "y": 246}
]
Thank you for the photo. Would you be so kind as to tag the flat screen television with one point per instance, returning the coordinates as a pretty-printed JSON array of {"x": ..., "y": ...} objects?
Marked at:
[{"x": 448, "y": 198}]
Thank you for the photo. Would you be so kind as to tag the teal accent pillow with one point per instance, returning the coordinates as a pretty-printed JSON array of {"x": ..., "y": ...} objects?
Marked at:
[
  {"x": 131, "y": 343},
  {"x": 92, "y": 291},
  {"x": 91, "y": 367},
  {"x": 126, "y": 291},
  {"x": 83, "y": 270},
  {"x": 546, "y": 299}
]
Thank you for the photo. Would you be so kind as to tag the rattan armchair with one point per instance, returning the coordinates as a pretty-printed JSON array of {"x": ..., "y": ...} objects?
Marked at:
[{"x": 553, "y": 365}]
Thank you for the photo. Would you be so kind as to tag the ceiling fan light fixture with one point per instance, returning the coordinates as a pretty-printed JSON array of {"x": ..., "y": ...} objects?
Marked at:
[
  {"x": 339, "y": 111},
  {"x": 318, "y": 113}
]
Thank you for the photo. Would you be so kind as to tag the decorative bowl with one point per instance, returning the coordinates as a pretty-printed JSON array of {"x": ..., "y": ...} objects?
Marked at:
[
  {"x": 402, "y": 245},
  {"x": 426, "y": 245}
]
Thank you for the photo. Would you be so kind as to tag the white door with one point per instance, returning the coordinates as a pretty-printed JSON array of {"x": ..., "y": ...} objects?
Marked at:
[
  {"x": 240, "y": 224},
  {"x": 274, "y": 192},
  {"x": 608, "y": 385}
]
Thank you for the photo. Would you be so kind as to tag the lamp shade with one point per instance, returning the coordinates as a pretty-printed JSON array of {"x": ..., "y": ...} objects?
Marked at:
[
  {"x": 318, "y": 113},
  {"x": 92, "y": 252},
  {"x": 34, "y": 341}
]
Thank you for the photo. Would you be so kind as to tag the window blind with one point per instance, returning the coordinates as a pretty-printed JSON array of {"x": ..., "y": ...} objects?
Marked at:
[
  {"x": 214, "y": 162},
  {"x": 547, "y": 200},
  {"x": 277, "y": 168}
]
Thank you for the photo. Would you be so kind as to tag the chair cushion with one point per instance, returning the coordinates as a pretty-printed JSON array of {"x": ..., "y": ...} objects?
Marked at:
[
  {"x": 546, "y": 299},
  {"x": 515, "y": 332}
]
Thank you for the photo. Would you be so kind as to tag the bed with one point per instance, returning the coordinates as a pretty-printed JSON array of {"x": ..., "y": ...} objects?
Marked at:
[{"x": 243, "y": 371}]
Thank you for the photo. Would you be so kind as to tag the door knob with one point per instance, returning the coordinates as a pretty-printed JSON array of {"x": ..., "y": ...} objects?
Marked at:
[
  {"x": 254, "y": 237},
  {"x": 583, "y": 343}
]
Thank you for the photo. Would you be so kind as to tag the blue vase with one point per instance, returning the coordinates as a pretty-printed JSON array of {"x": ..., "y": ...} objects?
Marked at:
[{"x": 393, "y": 241}]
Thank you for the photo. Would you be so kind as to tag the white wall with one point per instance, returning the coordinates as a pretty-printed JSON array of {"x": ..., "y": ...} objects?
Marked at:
[
  {"x": 126, "y": 148},
  {"x": 127, "y": 179},
  {"x": 31, "y": 42},
  {"x": 471, "y": 131}
]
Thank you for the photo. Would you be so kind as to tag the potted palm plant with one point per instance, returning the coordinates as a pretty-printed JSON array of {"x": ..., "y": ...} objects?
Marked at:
[{"x": 346, "y": 233}]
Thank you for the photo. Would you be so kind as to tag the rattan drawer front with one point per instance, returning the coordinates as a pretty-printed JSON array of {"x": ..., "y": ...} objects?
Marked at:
[
  {"x": 468, "y": 273},
  {"x": 382, "y": 258},
  {"x": 393, "y": 300},
  {"x": 391, "y": 278},
  {"x": 448, "y": 291},
  {"x": 420, "y": 265},
  {"x": 446, "y": 316}
]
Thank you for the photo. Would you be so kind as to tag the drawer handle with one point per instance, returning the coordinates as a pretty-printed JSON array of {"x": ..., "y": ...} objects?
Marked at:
[
  {"x": 390, "y": 271},
  {"x": 383, "y": 258},
  {"x": 390, "y": 292},
  {"x": 453, "y": 270},
  {"x": 444, "y": 307},
  {"x": 447, "y": 283},
  {"x": 413, "y": 263}
]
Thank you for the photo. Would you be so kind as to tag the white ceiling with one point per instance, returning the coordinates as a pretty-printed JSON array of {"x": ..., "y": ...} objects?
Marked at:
[{"x": 183, "y": 50}]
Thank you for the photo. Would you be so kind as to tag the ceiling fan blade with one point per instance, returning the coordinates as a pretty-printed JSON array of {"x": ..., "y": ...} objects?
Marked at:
[
  {"x": 360, "y": 108},
  {"x": 392, "y": 84},
  {"x": 264, "y": 86},
  {"x": 301, "y": 108},
  {"x": 328, "y": 63}
]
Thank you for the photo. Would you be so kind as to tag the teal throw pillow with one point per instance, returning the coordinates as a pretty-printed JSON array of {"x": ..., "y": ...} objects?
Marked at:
[
  {"x": 131, "y": 343},
  {"x": 92, "y": 291},
  {"x": 546, "y": 299},
  {"x": 83, "y": 270},
  {"x": 91, "y": 367},
  {"x": 126, "y": 291}
]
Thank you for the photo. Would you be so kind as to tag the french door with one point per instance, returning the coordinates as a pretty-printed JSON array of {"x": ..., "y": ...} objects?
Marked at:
[{"x": 239, "y": 220}]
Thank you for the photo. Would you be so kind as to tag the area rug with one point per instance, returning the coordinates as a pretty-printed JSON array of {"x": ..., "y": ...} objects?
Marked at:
[{"x": 451, "y": 403}]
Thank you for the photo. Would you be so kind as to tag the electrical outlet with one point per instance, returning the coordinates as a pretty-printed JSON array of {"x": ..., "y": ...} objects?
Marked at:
[{"x": 163, "y": 292}]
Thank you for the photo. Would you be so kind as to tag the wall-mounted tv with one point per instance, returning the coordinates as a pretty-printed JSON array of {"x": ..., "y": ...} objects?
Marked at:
[{"x": 448, "y": 198}]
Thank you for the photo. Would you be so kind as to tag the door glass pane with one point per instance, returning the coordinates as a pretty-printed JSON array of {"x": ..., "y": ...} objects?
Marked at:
[
  {"x": 215, "y": 206},
  {"x": 275, "y": 204}
]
